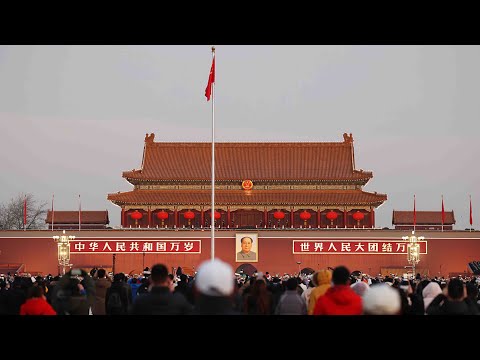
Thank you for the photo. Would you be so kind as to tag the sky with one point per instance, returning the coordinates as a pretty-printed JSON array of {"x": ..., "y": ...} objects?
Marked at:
[{"x": 72, "y": 118}]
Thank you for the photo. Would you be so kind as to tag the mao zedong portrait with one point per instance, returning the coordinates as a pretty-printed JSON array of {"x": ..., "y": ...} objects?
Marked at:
[{"x": 246, "y": 254}]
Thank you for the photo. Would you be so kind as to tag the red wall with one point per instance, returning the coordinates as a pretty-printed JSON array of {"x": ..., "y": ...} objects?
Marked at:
[
  {"x": 39, "y": 254},
  {"x": 449, "y": 251}
]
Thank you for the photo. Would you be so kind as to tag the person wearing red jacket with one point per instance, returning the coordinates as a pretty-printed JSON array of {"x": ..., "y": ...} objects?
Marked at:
[
  {"x": 37, "y": 303},
  {"x": 339, "y": 299}
]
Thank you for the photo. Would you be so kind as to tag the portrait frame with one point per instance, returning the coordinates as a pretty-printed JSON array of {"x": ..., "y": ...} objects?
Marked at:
[{"x": 238, "y": 247}]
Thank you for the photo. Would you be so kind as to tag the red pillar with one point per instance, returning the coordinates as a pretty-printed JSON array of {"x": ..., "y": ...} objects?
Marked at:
[
  {"x": 372, "y": 217},
  {"x": 228, "y": 217},
  {"x": 149, "y": 217},
  {"x": 345, "y": 218},
  {"x": 122, "y": 217},
  {"x": 202, "y": 218},
  {"x": 318, "y": 217},
  {"x": 175, "y": 218},
  {"x": 265, "y": 217},
  {"x": 291, "y": 217}
]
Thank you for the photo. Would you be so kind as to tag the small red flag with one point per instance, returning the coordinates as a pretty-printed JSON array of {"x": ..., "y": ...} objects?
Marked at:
[
  {"x": 443, "y": 212},
  {"x": 211, "y": 80},
  {"x": 471, "y": 218},
  {"x": 414, "y": 213},
  {"x": 25, "y": 211}
]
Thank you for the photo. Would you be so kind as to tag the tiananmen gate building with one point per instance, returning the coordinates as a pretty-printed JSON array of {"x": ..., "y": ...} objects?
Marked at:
[{"x": 257, "y": 185}]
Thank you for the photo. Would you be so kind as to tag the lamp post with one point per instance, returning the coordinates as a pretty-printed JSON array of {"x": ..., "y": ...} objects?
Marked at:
[
  {"x": 413, "y": 249},
  {"x": 63, "y": 250}
]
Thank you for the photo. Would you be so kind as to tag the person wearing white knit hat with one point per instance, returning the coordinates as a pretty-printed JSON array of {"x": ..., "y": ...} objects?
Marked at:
[
  {"x": 214, "y": 284},
  {"x": 382, "y": 299}
]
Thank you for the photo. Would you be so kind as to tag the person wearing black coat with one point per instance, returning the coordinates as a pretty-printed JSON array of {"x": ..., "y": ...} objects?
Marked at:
[
  {"x": 215, "y": 289},
  {"x": 453, "y": 303},
  {"x": 471, "y": 299},
  {"x": 125, "y": 293},
  {"x": 17, "y": 295},
  {"x": 160, "y": 300}
]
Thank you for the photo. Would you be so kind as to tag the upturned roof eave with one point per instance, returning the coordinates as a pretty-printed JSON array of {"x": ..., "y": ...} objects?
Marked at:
[
  {"x": 296, "y": 204},
  {"x": 136, "y": 180}
]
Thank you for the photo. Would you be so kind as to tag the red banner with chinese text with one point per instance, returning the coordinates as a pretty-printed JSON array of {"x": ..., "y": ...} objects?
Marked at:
[
  {"x": 135, "y": 247},
  {"x": 353, "y": 247}
]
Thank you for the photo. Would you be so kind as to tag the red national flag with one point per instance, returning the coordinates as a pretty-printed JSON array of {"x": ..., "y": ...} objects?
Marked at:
[
  {"x": 471, "y": 218},
  {"x": 25, "y": 211},
  {"x": 414, "y": 213},
  {"x": 211, "y": 80},
  {"x": 443, "y": 212}
]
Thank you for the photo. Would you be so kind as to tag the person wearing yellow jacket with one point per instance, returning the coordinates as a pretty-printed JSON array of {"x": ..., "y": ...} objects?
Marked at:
[{"x": 322, "y": 280}]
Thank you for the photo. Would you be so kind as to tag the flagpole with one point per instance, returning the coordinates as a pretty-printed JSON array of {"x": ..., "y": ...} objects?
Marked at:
[
  {"x": 212, "y": 221},
  {"x": 414, "y": 214},
  {"x": 25, "y": 213},
  {"x": 79, "y": 213},
  {"x": 443, "y": 212},
  {"x": 53, "y": 211},
  {"x": 471, "y": 219}
]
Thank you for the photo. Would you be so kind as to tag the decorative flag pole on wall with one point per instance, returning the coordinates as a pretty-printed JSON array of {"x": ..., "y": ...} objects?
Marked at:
[
  {"x": 25, "y": 213},
  {"x": 471, "y": 218},
  {"x": 79, "y": 213},
  {"x": 414, "y": 213},
  {"x": 210, "y": 92},
  {"x": 443, "y": 214},
  {"x": 53, "y": 212}
]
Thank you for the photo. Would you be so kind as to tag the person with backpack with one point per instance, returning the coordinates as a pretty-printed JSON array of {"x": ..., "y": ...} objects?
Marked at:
[
  {"x": 118, "y": 297},
  {"x": 73, "y": 298}
]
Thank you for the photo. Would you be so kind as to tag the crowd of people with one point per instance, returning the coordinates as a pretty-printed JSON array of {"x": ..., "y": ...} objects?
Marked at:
[{"x": 216, "y": 289}]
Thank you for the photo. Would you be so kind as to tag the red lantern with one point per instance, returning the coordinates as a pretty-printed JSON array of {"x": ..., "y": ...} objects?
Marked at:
[
  {"x": 305, "y": 216},
  {"x": 162, "y": 215},
  {"x": 358, "y": 216},
  {"x": 217, "y": 215},
  {"x": 332, "y": 215},
  {"x": 136, "y": 215},
  {"x": 189, "y": 215},
  {"x": 278, "y": 215}
]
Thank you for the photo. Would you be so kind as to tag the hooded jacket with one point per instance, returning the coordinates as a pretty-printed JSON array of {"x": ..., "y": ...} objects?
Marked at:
[
  {"x": 321, "y": 279},
  {"x": 37, "y": 306},
  {"x": 429, "y": 293},
  {"x": 339, "y": 300}
]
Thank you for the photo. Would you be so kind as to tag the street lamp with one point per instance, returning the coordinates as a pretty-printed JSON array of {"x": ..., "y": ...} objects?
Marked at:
[
  {"x": 413, "y": 249},
  {"x": 63, "y": 251}
]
